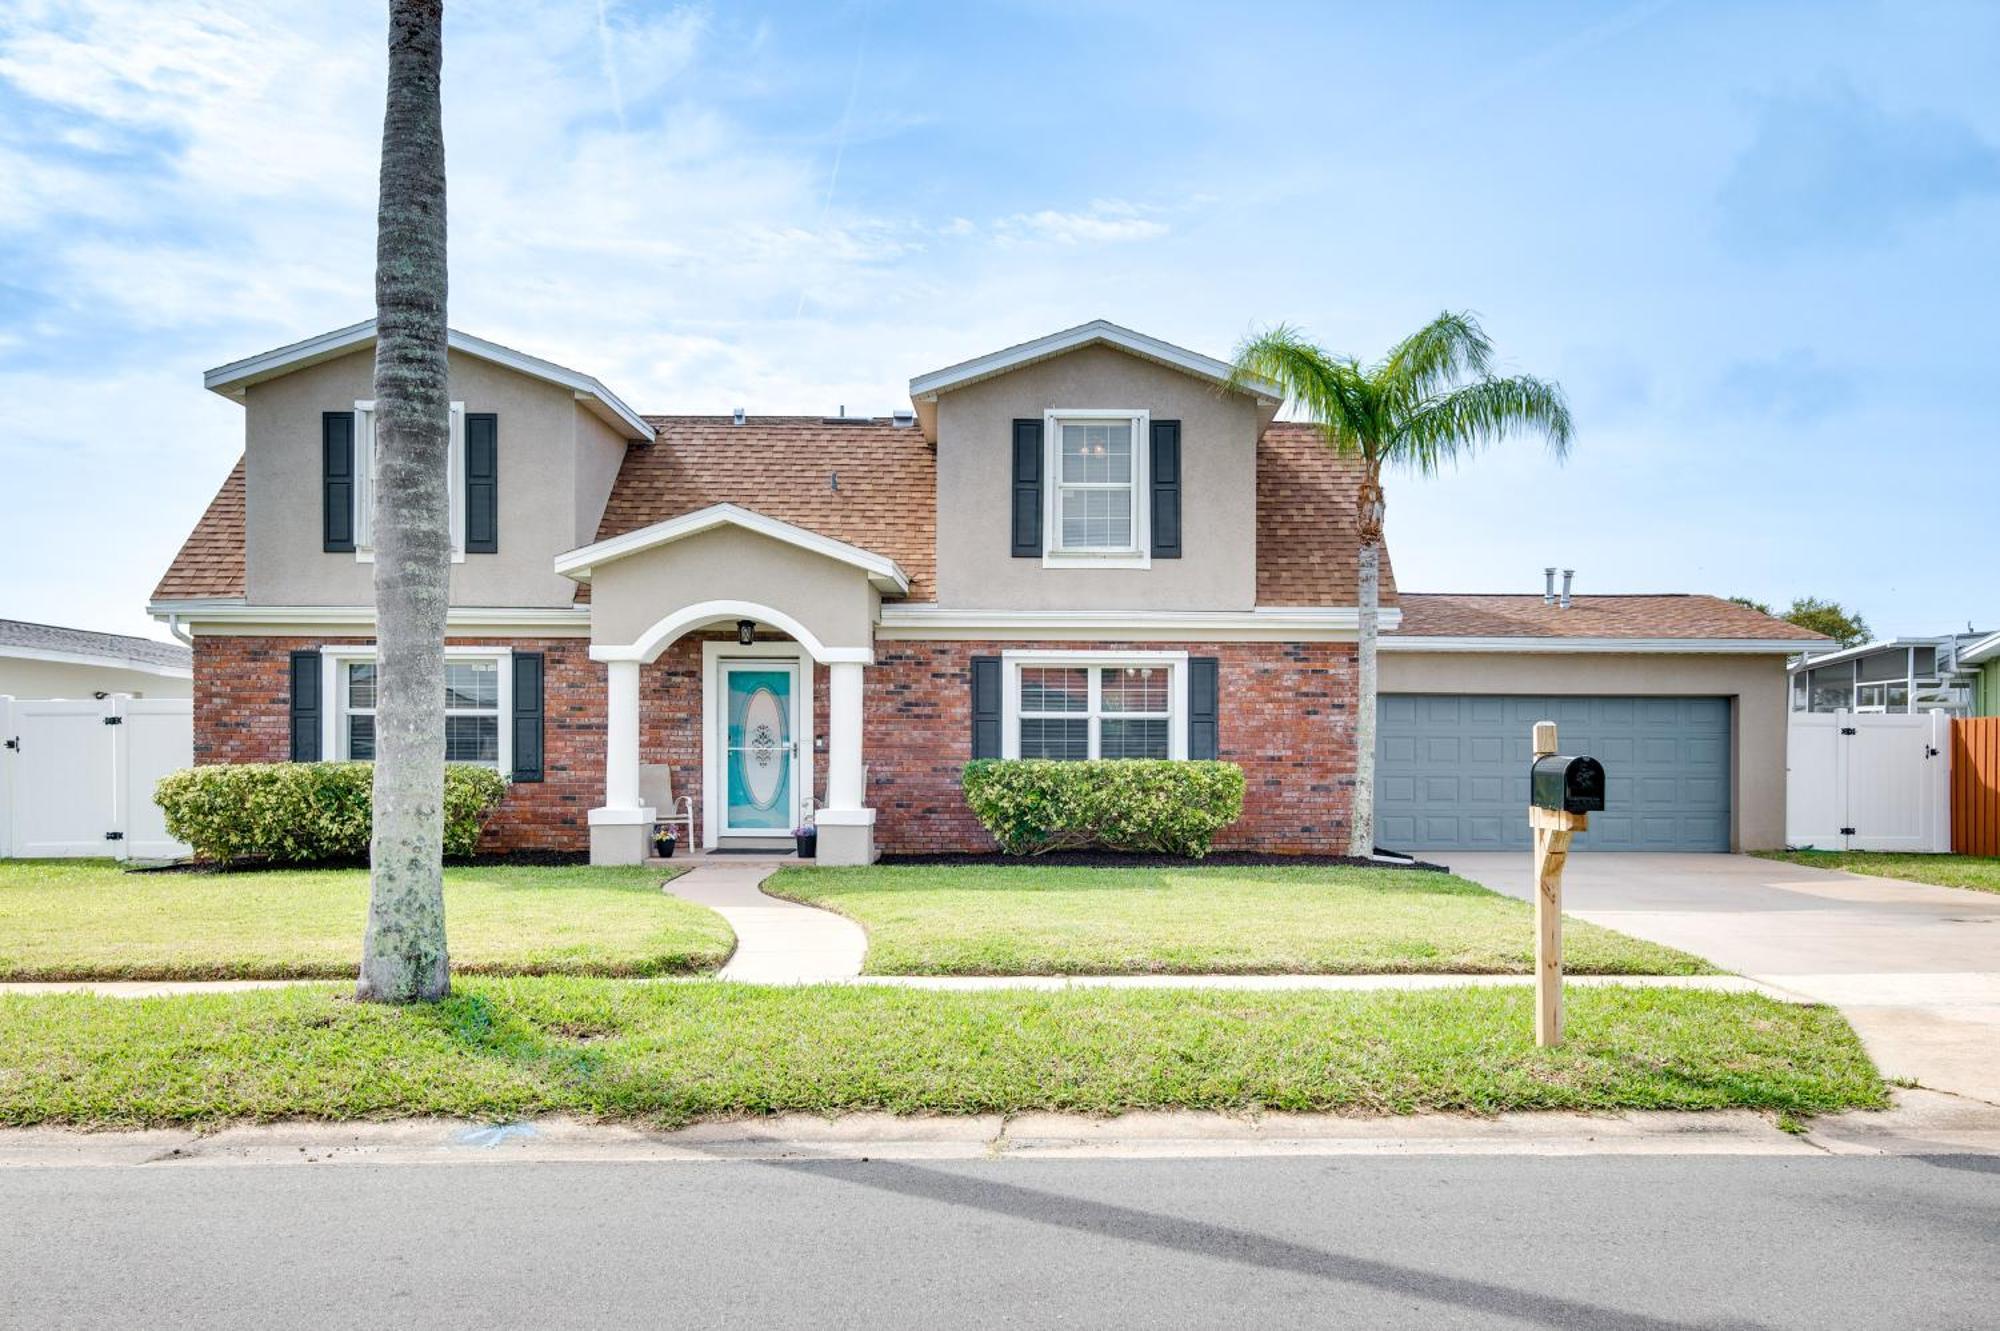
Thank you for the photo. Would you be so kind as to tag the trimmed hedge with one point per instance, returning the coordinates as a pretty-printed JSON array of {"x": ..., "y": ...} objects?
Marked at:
[
  {"x": 307, "y": 812},
  {"x": 1166, "y": 808}
]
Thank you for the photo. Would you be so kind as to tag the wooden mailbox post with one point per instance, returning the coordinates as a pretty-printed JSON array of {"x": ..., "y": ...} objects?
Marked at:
[{"x": 1552, "y": 830}]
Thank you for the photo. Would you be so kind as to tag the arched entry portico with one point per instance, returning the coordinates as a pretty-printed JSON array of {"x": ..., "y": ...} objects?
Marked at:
[{"x": 711, "y": 570}]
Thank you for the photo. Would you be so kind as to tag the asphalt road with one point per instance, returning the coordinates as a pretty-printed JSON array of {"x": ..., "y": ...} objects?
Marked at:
[{"x": 1624, "y": 1243}]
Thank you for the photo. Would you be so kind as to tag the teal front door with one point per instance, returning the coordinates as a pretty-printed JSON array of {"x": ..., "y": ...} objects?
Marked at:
[{"x": 761, "y": 751}]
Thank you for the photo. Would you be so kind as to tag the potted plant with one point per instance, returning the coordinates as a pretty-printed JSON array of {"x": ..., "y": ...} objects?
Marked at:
[
  {"x": 808, "y": 838},
  {"x": 664, "y": 842}
]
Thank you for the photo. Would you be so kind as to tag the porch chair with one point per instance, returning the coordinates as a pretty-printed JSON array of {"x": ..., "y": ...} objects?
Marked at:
[{"x": 656, "y": 791}]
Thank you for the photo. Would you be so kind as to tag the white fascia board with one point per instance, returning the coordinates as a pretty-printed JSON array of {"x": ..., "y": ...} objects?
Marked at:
[
  {"x": 96, "y": 659},
  {"x": 238, "y": 619},
  {"x": 882, "y": 571},
  {"x": 1263, "y": 624},
  {"x": 926, "y": 386},
  {"x": 1986, "y": 649},
  {"x": 1645, "y": 646},
  {"x": 1865, "y": 649},
  {"x": 230, "y": 380}
]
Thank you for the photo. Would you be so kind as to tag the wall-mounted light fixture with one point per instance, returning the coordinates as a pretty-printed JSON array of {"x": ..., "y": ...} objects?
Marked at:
[{"x": 746, "y": 630}]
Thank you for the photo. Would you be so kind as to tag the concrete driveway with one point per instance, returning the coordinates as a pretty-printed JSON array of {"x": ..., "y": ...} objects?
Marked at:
[{"x": 1915, "y": 968}]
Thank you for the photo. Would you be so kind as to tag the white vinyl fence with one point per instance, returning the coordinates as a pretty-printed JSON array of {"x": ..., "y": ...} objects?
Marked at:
[
  {"x": 76, "y": 776},
  {"x": 1869, "y": 781}
]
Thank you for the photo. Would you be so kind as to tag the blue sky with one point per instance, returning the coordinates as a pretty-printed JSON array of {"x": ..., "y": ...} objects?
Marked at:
[{"x": 1755, "y": 243}]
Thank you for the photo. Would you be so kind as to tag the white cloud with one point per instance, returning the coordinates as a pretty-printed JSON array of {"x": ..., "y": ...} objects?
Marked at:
[{"x": 1106, "y": 221}]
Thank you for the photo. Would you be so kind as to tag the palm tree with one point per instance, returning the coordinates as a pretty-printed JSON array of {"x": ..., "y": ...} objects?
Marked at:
[
  {"x": 403, "y": 951},
  {"x": 1430, "y": 402}
]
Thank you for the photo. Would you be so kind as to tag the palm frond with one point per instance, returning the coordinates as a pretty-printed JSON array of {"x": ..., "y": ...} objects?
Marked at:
[
  {"x": 1429, "y": 361},
  {"x": 1329, "y": 391},
  {"x": 1461, "y": 421}
]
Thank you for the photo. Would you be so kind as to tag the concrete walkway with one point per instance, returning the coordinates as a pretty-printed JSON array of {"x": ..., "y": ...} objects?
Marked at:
[
  {"x": 777, "y": 942},
  {"x": 1915, "y": 968}
]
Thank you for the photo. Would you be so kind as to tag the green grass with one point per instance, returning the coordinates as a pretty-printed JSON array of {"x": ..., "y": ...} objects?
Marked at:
[
  {"x": 1981, "y": 873},
  {"x": 1041, "y": 920},
  {"x": 673, "y": 1052},
  {"x": 88, "y": 920}
]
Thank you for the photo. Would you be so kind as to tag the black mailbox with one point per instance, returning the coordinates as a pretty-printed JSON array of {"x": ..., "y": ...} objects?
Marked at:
[{"x": 1567, "y": 785}]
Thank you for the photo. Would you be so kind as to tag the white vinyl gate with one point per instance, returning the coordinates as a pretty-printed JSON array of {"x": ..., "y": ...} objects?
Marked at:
[
  {"x": 77, "y": 776},
  {"x": 1869, "y": 781}
]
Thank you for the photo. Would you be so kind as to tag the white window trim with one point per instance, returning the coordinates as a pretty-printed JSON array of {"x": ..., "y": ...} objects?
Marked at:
[
  {"x": 333, "y": 698},
  {"x": 1141, "y": 553},
  {"x": 364, "y": 482},
  {"x": 1010, "y": 692}
]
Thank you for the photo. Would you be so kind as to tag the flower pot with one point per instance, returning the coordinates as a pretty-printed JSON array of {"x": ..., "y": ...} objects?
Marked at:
[
  {"x": 809, "y": 847},
  {"x": 664, "y": 846}
]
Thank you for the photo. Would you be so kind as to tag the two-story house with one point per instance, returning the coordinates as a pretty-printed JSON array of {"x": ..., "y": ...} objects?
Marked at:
[{"x": 1092, "y": 545}]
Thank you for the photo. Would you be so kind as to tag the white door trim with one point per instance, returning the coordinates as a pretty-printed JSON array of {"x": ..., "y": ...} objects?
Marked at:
[{"x": 713, "y": 750}]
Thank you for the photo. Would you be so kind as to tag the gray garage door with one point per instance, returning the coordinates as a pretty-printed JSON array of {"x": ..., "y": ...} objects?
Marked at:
[{"x": 1451, "y": 770}]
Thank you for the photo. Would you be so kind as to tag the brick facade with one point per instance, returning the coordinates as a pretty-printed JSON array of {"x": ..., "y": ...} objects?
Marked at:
[
  {"x": 242, "y": 714},
  {"x": 1286, "y": 717}
]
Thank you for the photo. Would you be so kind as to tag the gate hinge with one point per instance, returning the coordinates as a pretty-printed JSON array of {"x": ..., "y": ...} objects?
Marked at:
[
  {"x": 1930, "y": 752},
  {"x": 114, "y": 720},
  {"x": 114, "y": 836},
  {"x": 1849, "y": 730},
  {"x": 14, "y": 743},
  {"x": 1848, "y": 831}
]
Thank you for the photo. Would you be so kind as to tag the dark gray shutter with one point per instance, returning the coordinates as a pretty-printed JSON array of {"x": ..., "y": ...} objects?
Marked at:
[
  {"x": 986, "y": 707},
  {"x": 482, "y": 484},
  {"x": 336, "y": 451},
  {"x": 527, "y": 716},
  {"x": 1204, "y": 702},
  {"x": 1027, "y": 490},
  {"x": 1166, "y": 484},
  {"x": 305, "y": 706}
]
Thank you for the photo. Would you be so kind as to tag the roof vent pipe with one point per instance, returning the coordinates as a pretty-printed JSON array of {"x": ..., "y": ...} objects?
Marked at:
[
  {"x": 736, "y": 416},
  {"x": 1549, "y": 585},
  {"x": 1568, "y": 573}
]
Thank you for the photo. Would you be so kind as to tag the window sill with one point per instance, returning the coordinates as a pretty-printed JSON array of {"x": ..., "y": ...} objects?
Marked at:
[{"x": 1072, "y": 559}]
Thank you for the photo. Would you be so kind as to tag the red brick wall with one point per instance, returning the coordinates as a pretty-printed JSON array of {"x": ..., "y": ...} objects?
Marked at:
[
  {"x": 1286, "y": 713},
  {"x": 1286, "y": 716},
  {"x": 242, "y": 714}
]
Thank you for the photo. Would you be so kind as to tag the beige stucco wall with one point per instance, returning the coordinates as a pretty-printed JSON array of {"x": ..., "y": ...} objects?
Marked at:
[
  {"x": 62, "y": 679},
  {"x": 544, "y": 471},
  {"x": 975, "y": 486},
  {"x": 834, "y": 601},
  {"x": 1755, "y": 686}
]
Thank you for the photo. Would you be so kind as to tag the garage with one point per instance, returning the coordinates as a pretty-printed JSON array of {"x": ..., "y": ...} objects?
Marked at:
[{"x": 1452, "y": 770}]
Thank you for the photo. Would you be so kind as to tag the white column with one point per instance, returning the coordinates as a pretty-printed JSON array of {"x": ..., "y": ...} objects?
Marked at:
[
  {"x": 843, "y": 736},
  {"x": 621, "y": 736}
]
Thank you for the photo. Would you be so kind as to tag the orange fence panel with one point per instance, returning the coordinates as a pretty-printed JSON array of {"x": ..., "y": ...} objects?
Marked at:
[{"x": 1975, "y": 786}]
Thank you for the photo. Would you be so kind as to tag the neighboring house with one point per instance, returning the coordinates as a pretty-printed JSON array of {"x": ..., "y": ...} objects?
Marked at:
[
  {"x": 1088, "y": 545},
  {"x": 1949, "y": 673},
  {"x": 44, "y": 661}
]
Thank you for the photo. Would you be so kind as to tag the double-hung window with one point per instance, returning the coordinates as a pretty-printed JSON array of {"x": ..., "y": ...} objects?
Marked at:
[
  {"x": 365, "y": 481},
  {"x": 476, "y": 687},
  {"x": 1082, "y": 705},
  {"x": 1097, "y": 463}
]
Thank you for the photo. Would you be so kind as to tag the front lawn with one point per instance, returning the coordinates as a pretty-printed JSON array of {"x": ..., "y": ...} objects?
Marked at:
[
  {"x": 1042, "y": 920},
  {"x": 671, "y": 1053},
  {"x": 90, "y": 920},
  {"x": 1981, "y": 873}
]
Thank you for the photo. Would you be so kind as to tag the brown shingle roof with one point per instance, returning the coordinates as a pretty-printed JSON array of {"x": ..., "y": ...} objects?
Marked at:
[
  {"x": 782, "y": 467},
  {"x": 1306, "y": 537},
  {"x": 210, "y": 563},
  {"x": 1452, "y": 615}
]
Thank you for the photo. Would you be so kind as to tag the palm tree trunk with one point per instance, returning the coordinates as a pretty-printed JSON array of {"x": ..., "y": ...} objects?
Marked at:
[
  {"x": 1361, "y": 817},
  {"x": 403, "y": 951}
]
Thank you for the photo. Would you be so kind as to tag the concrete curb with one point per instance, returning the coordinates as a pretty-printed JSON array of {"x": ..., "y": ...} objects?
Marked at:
[{"x": 1922, "y": 1123}]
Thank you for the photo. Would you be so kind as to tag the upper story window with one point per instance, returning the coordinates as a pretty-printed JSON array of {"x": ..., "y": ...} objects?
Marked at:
[
  {"x": 365, "y": 481},
  {"x": 1097, "y": 465}
]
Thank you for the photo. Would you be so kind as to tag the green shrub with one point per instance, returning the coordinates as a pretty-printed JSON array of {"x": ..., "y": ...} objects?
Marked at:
[
  {"x": 1170, "y": 808},
  {"x": 307, "y": 812}
]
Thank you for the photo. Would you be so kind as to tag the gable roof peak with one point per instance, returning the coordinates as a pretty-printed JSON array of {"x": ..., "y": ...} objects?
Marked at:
[{"x": 1098, "y": 332}]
